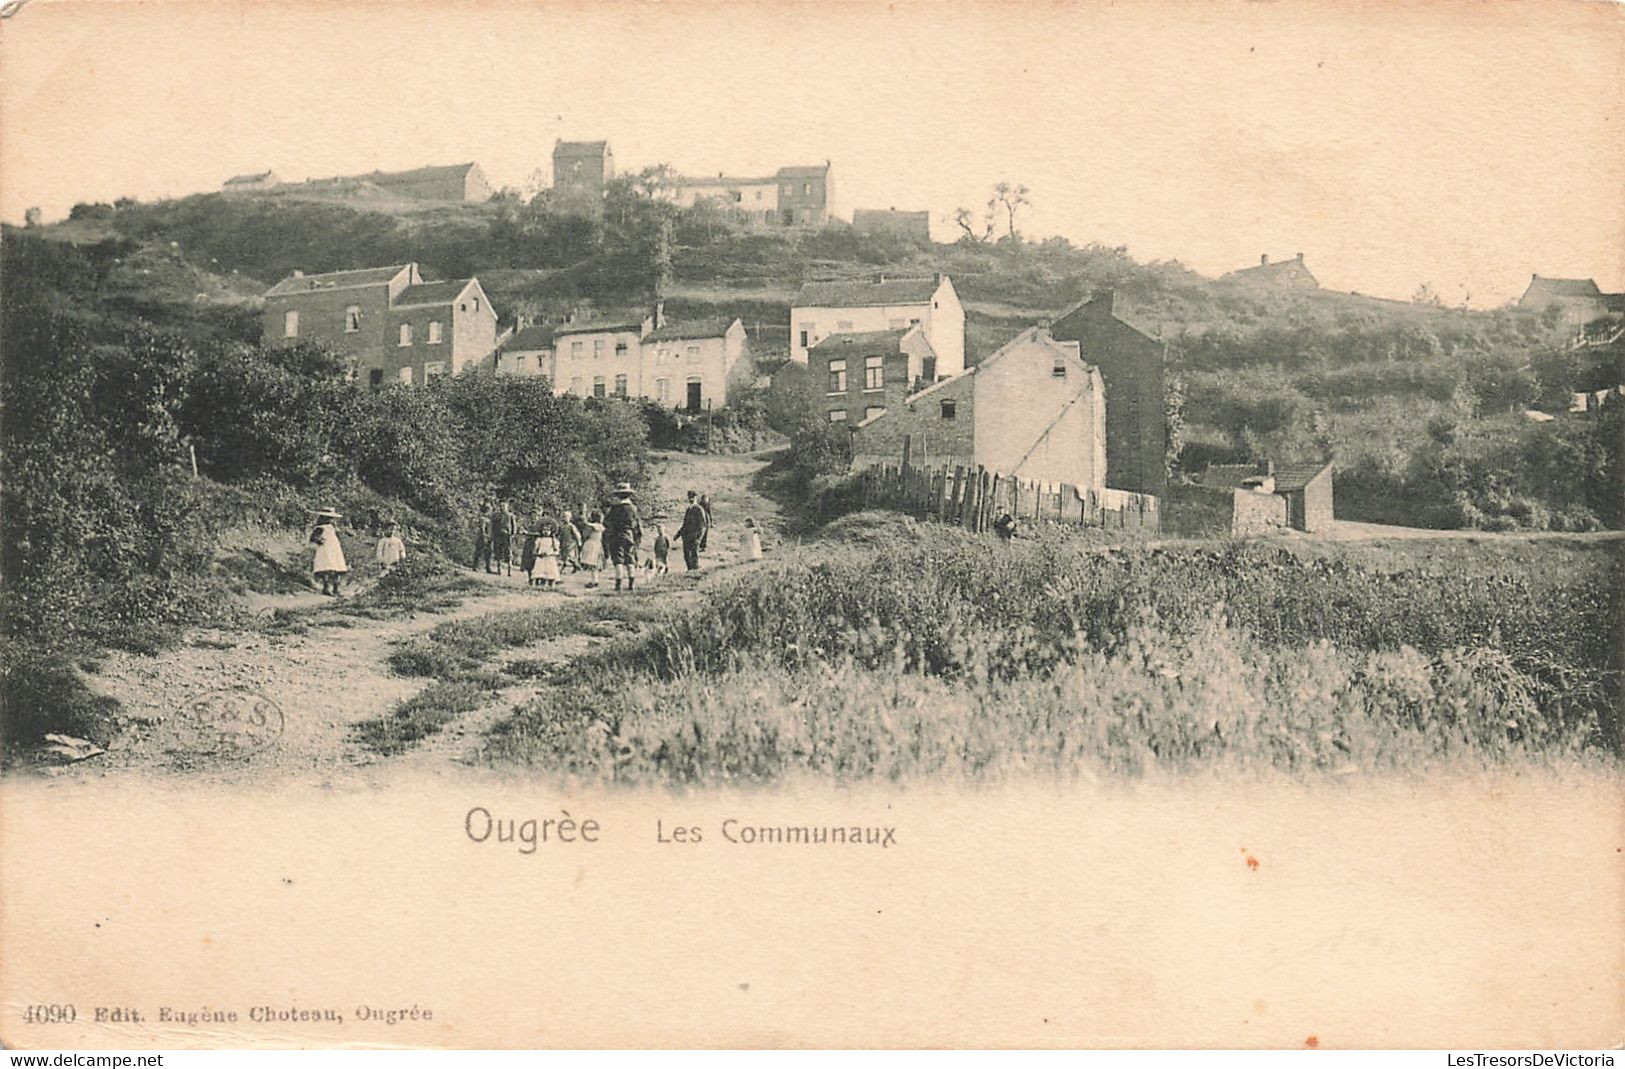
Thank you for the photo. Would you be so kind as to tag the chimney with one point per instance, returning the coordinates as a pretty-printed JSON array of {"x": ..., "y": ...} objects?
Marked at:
[
  {"x": 1266, "y": 468},
  {"x": 1300, "y": 257},
  {"x": 660, "y": 313},
  {"x": 1264, "y": 259},
  {"x": 1103, "y": 303}
]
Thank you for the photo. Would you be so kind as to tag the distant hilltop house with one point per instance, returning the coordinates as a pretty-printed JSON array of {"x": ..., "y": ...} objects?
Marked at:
[
  {"x": 1579, "y": 298},
  {"x": 1033, "y": 410},
  {"x": 1266, "y": 497},
  {"x": 251, "y": 183},
  {"x": 1132, "y": 367},
  {"x": 1284, "y": 274},
  {"x": 792, "y": 196},
  {"x": 460, "y": 182},
  {"x": 880, "y": 303},
  {"x": 893, "y": 223},
  {"x": 692, "y": 365},
  {"x": 864, "y": 374},
  {"x": 389, "y": 324},
  {"x": 582, "y": 168}
]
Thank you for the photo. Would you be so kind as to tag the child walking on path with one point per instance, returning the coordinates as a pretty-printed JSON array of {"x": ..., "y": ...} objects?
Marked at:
[
  {"x": 544, "y": 565},
  {"x": 662, "y": 549},
  {"x": 329, "y": 565},
  {"x": 750, "y": 541},
  {"x": 592, "y": 547},
  {"x": 390, "y": 551}
]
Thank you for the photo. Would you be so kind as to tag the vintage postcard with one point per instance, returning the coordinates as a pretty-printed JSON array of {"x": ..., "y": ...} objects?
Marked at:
[{"x": 781, "y": 524}]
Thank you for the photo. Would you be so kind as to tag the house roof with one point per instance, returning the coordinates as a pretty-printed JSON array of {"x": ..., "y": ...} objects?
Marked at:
[
  {"x": 531, "y": 338},
  {"x": 247, "y": 179},
  {"x": 1288, "y": 477},
  {"x": 580, "y": 148},
  {"x": 887, "y": 213},
  {"x": 1297, "y": 475},
  {"x": 419, "y": 174},
  {"x": 724, "y": 180},
  {"x": 431, "y": 293},
  {"x": 365, "y": 276},
  {"x": 1035, "y": 334},
  {"x": 598, "y": 326},
  {"x": 863, "y": 339},
  {"x": 858, "y": 293},
  {"x": 1564, "y": 287},
  {"x": 818, "y": 171},
  {"x": 696, "y": 328},
  {"x": 1271, "y": 269},
  {"x": 1229, "y": 476}
]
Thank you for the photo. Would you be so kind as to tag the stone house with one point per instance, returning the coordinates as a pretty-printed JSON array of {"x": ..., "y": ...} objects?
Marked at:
[
  {"x": 806, "y": 195},
  {"x": 1131, "y": 365},
  {"x": 386, "y": 322},
  {"x": 1032, "y": 410},
  {"x": 863, "y": 374},
  {"x": 582, "y": 168},
  {"x": 747, "y": 200},
  {"x": 251, "y": 183},
  {"x": 691, "y": 365},
  {"x": 853, "y": 306},
  {"x": 1580, "y": 299},
  {"x": 1302, "y": 493},
  {"x": 1290, "y": 274},
  {"x": 890, "y": 221},
  {"x": 528, "y": 352}
]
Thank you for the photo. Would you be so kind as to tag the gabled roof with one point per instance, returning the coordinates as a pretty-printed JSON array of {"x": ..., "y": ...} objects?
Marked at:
[
  {"x": 1034, "y": 334},
  {"x": 598, "y": 326},
  {"x": 531, "y": 338},
  {"x": 818, "y": 171},
  {"x": 580, "y": 148},
  {"x": 431, "y": 293},
  {"x": 1297, "y": 475},
  {"x": 365, "y": 276},
  {"x": 723, "y": 180},
  {"x": 860, "y": 293},
  {"x": 870, "y": 340},
  {"x": 1288, "y": 477},
  {"x": 1269, "y": 271},
  {"x": 1563, "y": 287},
  {"x": 887, "y": 214},
  {"x": 390, "y": 178},
  {"x": 694, "y": 329},
  {"x": 248, "y": 179},
  {"x": 1229, "y": 476}
]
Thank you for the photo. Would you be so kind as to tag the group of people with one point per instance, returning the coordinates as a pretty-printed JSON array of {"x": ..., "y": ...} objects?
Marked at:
[{"x": 329, "y": 565}]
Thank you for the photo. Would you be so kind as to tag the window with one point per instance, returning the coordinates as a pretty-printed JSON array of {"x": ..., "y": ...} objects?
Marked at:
[
  {"x": 406, "y": 334},
  {"x": 290, "y": 324},
  {"x": 1058, "y": 369},
  {"x": 806, "y": 189},
  {"x": 519, "y": 363},
  {"x": 620, "y": 385},
  {"x": 738, "y": 196},
  {"x": 837, "y": 415},
  {"x": 598, "y": 385},
  {"x": 872, "y": 411},
  {"x": 434, "y": 332},
  {"x": 913, "y": 322},
  {"x": 663, "y": 389},
  {"x": 949, "y": 410},
  {"x": 789, "y": 190},
  {"x": 806, "y": 334},
  {"x": 575, "y": 386},
  {"x": 693, "y": 350},
  {"x": 874, "y": 372},
  {"x": 476, "y": 304},
  {"x": 406, "y": 375},
  {"x": 575, "y": 348},
  {"x": 352, "y": 319},
  {"x": 434, "y": 370},
  {"x": 837, "y": 376},
  {"x": 463, "y": 307},
  {"x": 758, "y": 194},
  {"x": 597, "y": 348},
  {"x": 934, "y": 304},
  {"x": 620, "y": 348},
  {"x": 375, "y": 377}
]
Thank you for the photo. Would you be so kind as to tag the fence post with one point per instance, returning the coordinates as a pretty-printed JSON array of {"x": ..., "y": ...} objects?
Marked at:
[
  {"x": 972, "y": 493},
  {"x": 956, "y": 501},
  {"x": 908, "y": 451},
  {"x": 993, "y": 499}
]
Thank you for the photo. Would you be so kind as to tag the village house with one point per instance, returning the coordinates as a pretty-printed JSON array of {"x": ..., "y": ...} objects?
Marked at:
[
  {"x": 1265, "y": 497},
  {"x": 858, "y": 306},
  {"x": 892, "y": 223},
  {"x": 865, "y": 373},
  {"x": 386, "y": 322},
  {"x": 582, "y": 168},
  {"x": 806, "y": 195},
  {"x": 1132, "y": 367},
  {"x": 692, "y": 365},
  {"x": 1033, "y": 410},
  {"x": 1290, "y": 274},
  {"x": 793, "y": 196},
  {"x": 1580, "y": 299},
  {"x": 251, "y": 183}
]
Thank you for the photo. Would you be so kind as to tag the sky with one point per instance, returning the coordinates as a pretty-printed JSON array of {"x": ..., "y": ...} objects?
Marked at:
[{"x": 1465, "y": 145}]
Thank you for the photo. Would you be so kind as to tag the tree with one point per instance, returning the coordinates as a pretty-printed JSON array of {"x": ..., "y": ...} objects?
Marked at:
[
  {"x": 31, "y": 218},
  {"x": 1012, "y": 199},
  {"x": 1425, "y": 295},
  {"x": 963, "y": 219},
  {"x": 1007, "y": 199}
]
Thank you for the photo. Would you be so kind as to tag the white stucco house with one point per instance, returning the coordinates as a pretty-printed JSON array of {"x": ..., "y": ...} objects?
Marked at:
[{"x": 859, "y": 306}]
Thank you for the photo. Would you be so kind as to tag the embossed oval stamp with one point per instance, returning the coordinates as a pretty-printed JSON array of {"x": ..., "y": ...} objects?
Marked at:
[{"x": 229, "y": 722}]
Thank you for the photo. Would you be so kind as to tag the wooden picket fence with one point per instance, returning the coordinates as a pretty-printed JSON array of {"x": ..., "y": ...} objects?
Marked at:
[{"x": 973, "y": 498}]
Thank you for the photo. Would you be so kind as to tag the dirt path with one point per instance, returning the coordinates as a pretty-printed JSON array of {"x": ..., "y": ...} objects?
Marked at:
[{"x": 321, "y": 684}]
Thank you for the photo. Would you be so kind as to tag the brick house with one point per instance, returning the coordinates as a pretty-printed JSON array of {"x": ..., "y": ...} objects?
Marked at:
[
  {"x": 386, "y": 322},
  {"x": 806, "y": 195},
  {"x": 1132, "y": 367},
  {"x": 251, "y": 183},
  {"x": 582, "y": 168},
  {"x": 1290, "y": 274},
  {"x": 890, "y": 221},
  {"x": 1580, "y": 298},
  {"x": 852, "y": 306},
  {"x": 1303, "y": 493},
  {"x": 1033, "y": 410},
  {"x": 861, "y": 375},
  {"x": 691, "y": 365}
]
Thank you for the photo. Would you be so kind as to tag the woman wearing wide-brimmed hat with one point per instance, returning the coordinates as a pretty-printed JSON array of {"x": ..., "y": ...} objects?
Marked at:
[
  {"x": 623, "y": 530},
  {"x": 329, "y": 565}
]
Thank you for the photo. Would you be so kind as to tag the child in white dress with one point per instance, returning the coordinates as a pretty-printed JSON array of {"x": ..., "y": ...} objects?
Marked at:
[
  {"x": 329, "y": 565},
  {"x": 544, "y": 571},
  {"x": 750, "y": 542}
]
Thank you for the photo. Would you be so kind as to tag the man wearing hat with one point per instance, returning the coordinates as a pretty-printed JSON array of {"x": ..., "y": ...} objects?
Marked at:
[
  {"x": 623, "y": 530},
  {"x": 329, "y": 565}
]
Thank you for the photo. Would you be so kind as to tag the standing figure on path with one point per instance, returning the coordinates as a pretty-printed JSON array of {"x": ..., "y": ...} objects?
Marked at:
[
  {"x": 390, "y": 551},
  {"x": 662, "y": 549},
  {"x": 750, "y": 541},
  {"x": 692, "y": 532},
  {"x": 482, "y": 535},
  {"x": 329, "y": 565},
  {"x": 705, "y": 506},
  {"x": 569, "y": 543},
  {"x": 504, "y": 525},
  {"x": 544, "y": 564},
  {"x": 529, "y": 535},
  {"x": 623, "y": 530},
  {"x": 592, "y": 547}
]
